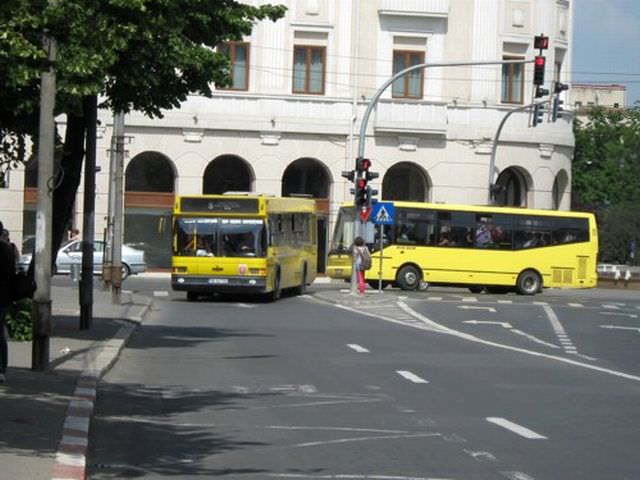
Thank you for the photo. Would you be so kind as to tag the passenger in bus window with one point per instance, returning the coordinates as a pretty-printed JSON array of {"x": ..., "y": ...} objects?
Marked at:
[
  {"x": 245, "y": 245},
  {"x": 483, "y": 234},
  {"x": 444, "y": 239},
  {"x": 203, "y": 249}
]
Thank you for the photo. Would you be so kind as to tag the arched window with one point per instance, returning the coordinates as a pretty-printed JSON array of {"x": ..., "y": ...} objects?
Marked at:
[
  {"x": 405, "y": 181},
  {"x": 227, "y": 173}
]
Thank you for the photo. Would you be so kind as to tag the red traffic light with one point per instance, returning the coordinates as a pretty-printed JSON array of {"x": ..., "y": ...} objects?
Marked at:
[
  {"x": 363, "y": 164},
  {"x": 538, "y": 70},
  {"x": 541, "y": 42},
  {"x": 362, "y": 183}
]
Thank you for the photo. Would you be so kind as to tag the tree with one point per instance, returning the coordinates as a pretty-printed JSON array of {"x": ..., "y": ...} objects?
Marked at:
[
  {"x": 606, "y": 173},
  {"x": 144, "y": 55}
]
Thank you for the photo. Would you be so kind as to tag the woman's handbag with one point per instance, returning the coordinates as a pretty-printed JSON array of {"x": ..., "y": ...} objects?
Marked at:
[{"x": 23, "y": 286}]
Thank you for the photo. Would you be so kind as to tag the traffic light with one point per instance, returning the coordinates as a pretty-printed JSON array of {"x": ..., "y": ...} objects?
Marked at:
[
  {"x": 541, "y": 92},
  {"x": 538, "y": 113},
  {"x": 349, "y": 174},
  {"x": 560, "y": 87},
  {"x": 538, "y": 70},
  {"x": 541, "y": 42},
  {"x": 557, "y": 109},
  {"x": 361, "y": 193}
]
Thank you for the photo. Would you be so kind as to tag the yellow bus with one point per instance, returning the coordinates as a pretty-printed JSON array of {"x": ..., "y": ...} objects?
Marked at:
[
  {"x": 243, "y": 243},
  {"x": 494, "y": 248}
]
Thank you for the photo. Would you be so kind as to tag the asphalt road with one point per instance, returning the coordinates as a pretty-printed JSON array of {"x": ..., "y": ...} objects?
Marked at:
[{"x": 441, "y": 384}]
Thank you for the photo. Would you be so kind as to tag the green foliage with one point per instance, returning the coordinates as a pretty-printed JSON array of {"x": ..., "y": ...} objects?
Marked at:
[
  {"x": 144, "y": 55},
  {"x": 18, "y": 320},
  {"x": 606, "y": 178}
]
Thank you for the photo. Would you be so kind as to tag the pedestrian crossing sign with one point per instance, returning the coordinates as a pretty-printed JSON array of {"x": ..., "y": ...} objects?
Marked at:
[{"x": 382, "y": 213}]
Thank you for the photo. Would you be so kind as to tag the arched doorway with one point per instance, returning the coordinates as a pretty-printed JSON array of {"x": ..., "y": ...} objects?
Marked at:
[
  {"x": 149, "y": 195},
  {"x": 227, "y": 173},
  {"x": 560, "y": 184},
  {"x": 405, "y": 181},
  {"x": 308, "y": 176},
  {"x": 513, "y": 188}
]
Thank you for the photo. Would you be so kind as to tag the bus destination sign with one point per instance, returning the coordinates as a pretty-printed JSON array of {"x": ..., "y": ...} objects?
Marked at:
[{"x": 219, "y": 205}]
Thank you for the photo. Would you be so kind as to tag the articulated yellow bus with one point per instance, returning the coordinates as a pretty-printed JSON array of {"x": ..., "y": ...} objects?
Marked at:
[
  {"x": 243, "y": 243},
  {"x": 496, "y": 248}
]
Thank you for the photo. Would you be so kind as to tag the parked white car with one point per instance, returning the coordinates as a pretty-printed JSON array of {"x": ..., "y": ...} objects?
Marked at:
[{"x": 133, "y": 260}]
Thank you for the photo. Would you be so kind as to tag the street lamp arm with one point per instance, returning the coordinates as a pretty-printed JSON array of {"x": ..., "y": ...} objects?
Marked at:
[{"x": 376, "y": 97}]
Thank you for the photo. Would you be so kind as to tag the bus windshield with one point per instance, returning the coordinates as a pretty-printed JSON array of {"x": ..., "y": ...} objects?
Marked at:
[
  {"x": 343, "y": 233},
  {"x": 220, "y": 237}
]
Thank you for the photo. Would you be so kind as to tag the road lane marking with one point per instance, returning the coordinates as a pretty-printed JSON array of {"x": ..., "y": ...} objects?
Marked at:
[
  {"x": 630, "y": 315},
  {"x": 505, "y": 301},
  {"x": 469, "y": 307},
  {"x": 469, "y": 299},
  {"x": 160, "y": 293},
  {"x": 357, "y": 348},
  {"x": 577, "y": 305},
  {"x": 428, "y": 325},
  {"x": 487, "y": 322},
  {"x": 515, "y": 428},
  {"x": 616, "y": 327},
  {"x": 611, "y": 306},
  {"x": 559, "y": 330},
  {"x": 412, "y": 377},
  {"x": 533, "y": 338}
]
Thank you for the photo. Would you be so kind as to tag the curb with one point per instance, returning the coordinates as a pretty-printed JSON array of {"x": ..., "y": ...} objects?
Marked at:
[{"x": 71, "y": 458}]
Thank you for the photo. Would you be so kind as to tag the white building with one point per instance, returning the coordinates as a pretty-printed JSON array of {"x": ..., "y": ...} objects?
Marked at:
[
  {"x": 585, "y": 96},
  {"x": 290, "y": 123}
]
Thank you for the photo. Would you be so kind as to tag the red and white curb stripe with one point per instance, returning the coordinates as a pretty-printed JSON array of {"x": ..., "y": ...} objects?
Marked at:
[{"x": 70, "y": 462}]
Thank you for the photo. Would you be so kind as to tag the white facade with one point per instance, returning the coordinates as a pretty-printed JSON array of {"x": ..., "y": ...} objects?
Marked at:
[{"x": 440, "y": 143}]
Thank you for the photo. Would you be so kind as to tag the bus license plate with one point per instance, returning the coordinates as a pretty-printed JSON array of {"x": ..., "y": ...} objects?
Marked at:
[{"x": 218, "y": 281}]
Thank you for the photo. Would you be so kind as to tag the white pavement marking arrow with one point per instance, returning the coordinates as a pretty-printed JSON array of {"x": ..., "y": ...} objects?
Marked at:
[
  {"x": 477, "y": 322},
  {"x": 469, "y": 307},
  {"x": 616, "y": 327},
  {"x": 631, "y": 315}
]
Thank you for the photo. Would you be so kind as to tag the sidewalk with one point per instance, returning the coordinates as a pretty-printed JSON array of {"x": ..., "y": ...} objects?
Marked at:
[{"x": 44, "y": 416}]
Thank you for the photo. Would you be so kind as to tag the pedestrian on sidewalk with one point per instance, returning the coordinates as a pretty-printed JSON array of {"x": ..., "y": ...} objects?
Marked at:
[
  {"x": 7, "y": 273},
  {"x": 362, "y": 262},
  {"x": 627, "y": 277}
]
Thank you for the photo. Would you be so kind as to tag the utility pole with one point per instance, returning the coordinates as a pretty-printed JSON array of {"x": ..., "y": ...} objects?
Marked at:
[
  {"x": 41, "y": 309},
  {"x": 118, "y": 208},
  {"x": 90, "y": 105}
]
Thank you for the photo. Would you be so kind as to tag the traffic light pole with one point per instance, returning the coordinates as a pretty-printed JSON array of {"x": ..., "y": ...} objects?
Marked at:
[{"x": 358, "y": 223}]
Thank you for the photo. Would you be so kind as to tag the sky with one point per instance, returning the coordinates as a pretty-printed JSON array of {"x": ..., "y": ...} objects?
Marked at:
[{"x": 606, "y": 44}]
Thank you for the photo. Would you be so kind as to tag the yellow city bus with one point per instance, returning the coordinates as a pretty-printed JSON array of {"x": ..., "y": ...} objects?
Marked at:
[
  {"x": 497, "y": 248},
  {"x": 243, "y": 243}
]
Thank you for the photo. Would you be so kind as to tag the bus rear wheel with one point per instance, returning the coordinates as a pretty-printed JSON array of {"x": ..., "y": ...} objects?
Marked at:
[
  {"x": 409, "y": 278},
  {"x": 529, "y": 283},
  {"x": 192, "y": 296}
]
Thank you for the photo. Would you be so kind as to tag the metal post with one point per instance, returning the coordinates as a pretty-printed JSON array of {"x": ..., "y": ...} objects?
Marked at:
[
  {"x": 88, "y": 218},
  {"x": 41, "y": 309},
  {"x": 380, "y": 234},
  {"x": 116, "y": 260}
]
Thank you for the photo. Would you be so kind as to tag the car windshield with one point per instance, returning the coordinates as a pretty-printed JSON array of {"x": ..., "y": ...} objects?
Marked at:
[{"x": 220, "y": 237}]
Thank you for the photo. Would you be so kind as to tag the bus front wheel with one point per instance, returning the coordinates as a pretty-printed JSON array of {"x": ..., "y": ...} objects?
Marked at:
[
  {"x": 529, "y": 283},
  {"x": 409, "y": 278}
]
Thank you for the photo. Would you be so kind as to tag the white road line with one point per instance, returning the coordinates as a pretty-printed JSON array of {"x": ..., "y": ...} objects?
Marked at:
[
  {"x": 559, "y": 330},
  {"x": 533, "y": 339},
  {"x": 469, "y": 307},
  {"x": 469, "y": 299},
  {"x": 611, "y": 306},
  {"x": 412, "y": 377},
  {"x": 515, "y": 428},
  {"x": 577, "y": 305},
  {"x": 357, "y": 348},
  {"x": 505, "y": 301},
  {"x": 630, "y": 315},
  {"x": 429, "y": 325},
  {"x": 487, "y": 322},
  {"x": 436, "y": 299},
  {"x": 616, "y": 327},
  {"x": 160, "y": 293}
]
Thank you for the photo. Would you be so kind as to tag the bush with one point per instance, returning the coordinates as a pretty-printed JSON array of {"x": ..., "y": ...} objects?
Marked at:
[{"x": 18, "y": 320}]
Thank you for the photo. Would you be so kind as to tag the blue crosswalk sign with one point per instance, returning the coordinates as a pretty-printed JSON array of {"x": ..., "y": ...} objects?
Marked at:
[{"x": 382, "y": 213}]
